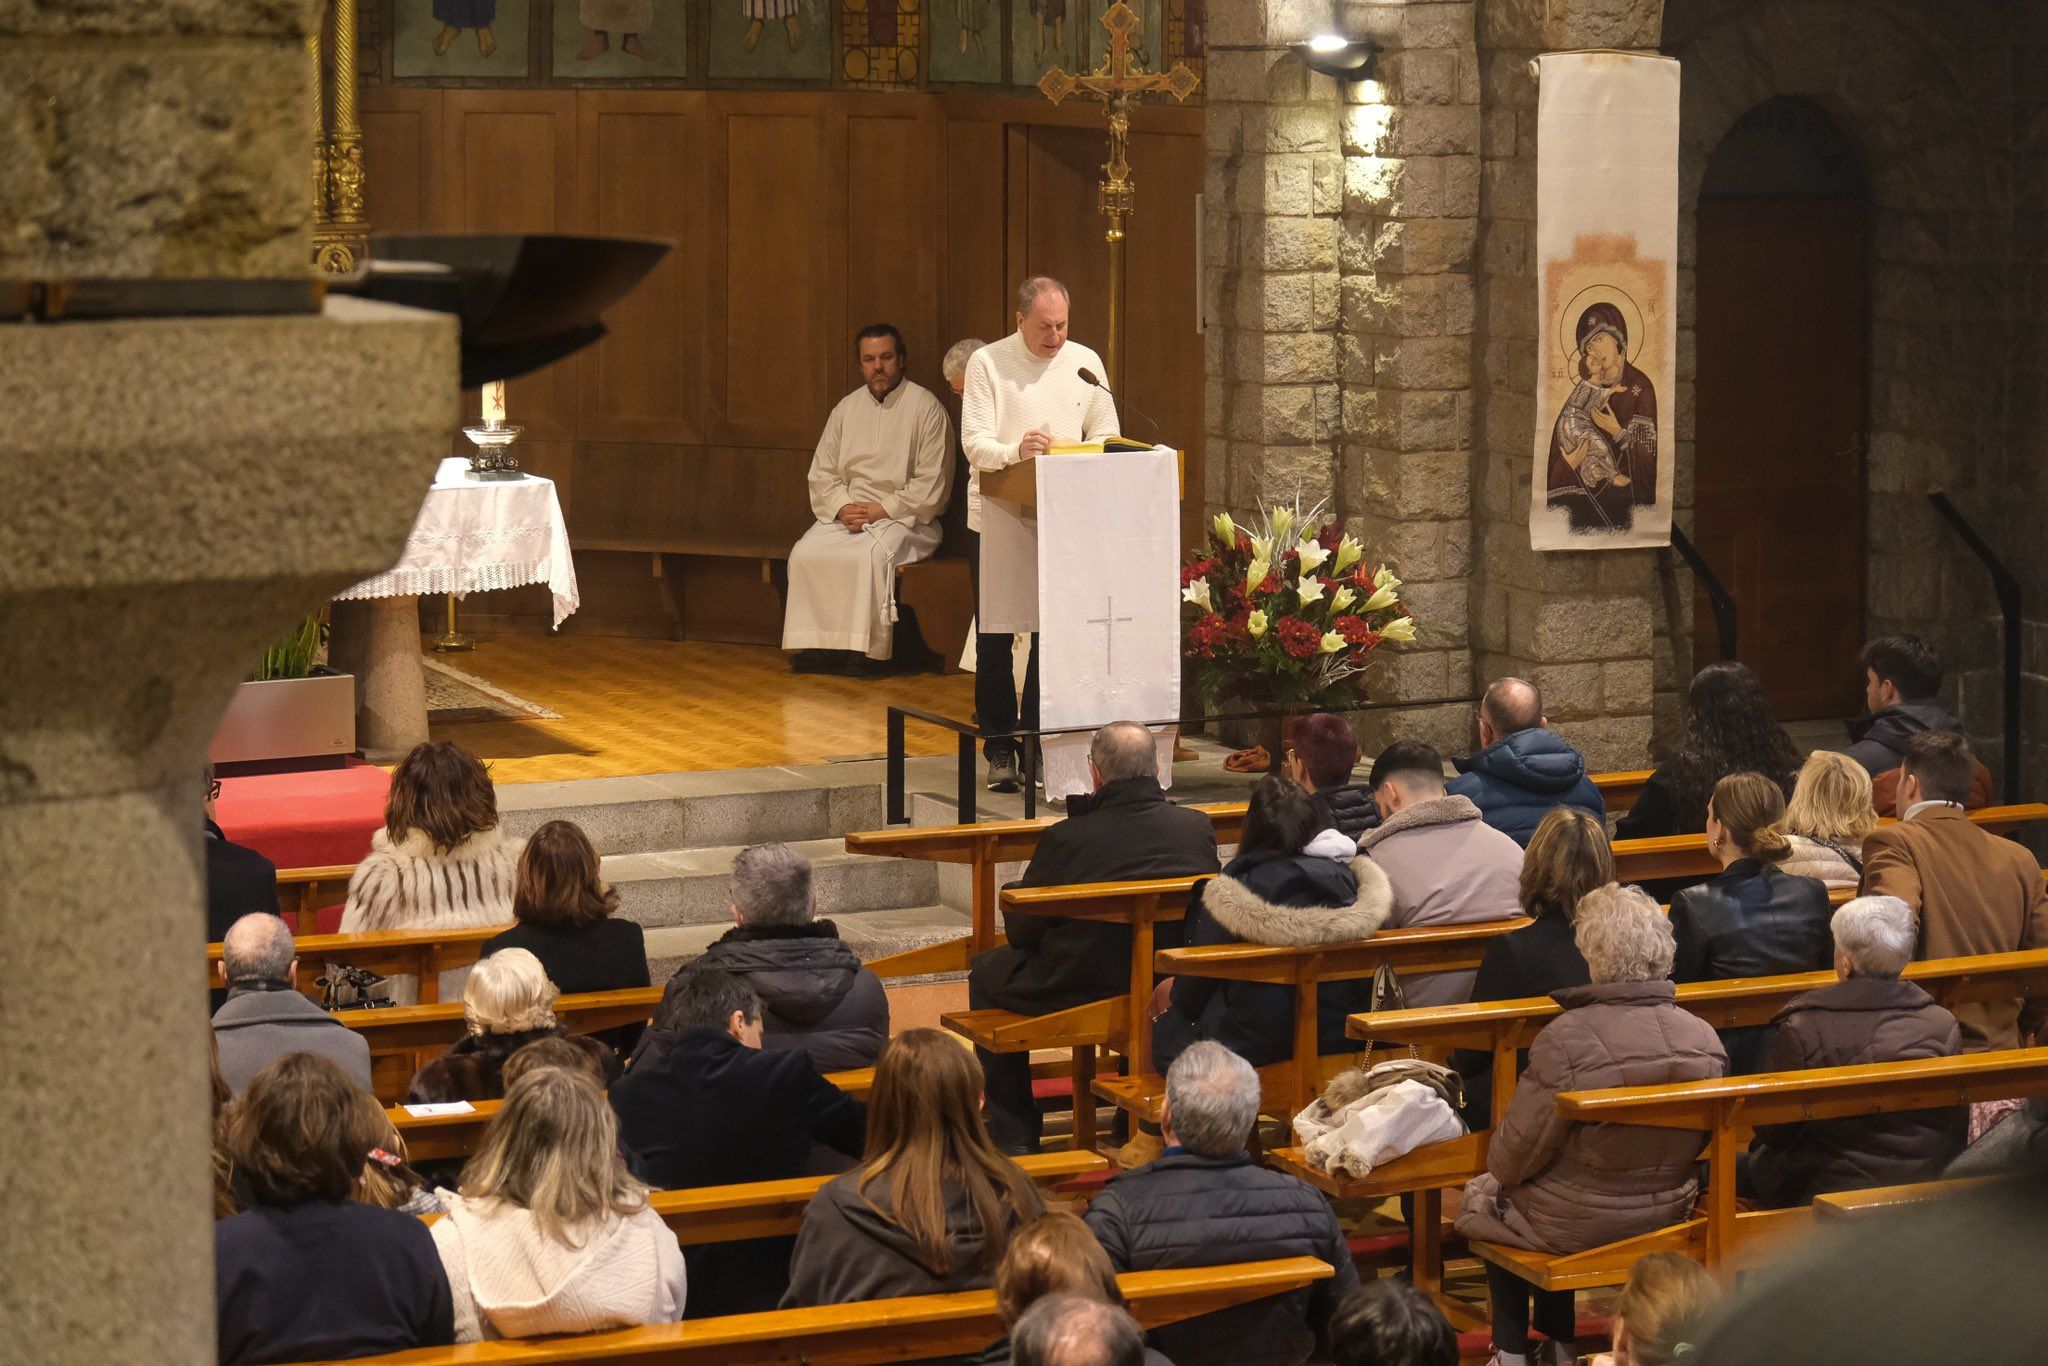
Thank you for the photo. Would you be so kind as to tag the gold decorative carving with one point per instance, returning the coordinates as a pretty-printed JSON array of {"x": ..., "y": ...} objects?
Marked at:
[{"x": 341, "y": 233}]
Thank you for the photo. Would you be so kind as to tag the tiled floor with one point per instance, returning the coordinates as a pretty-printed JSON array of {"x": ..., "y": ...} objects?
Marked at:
[{"x": 657, "y": 706}]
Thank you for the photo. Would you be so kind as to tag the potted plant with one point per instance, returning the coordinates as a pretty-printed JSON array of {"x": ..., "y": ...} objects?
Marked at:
[
  {"x": 292, "y": 707},
  {"x": 1283, "y": 616}
]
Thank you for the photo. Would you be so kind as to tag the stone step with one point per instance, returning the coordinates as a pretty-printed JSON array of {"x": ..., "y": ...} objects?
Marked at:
[
  {"x": 670, "y": 811},
  {"x": 693, "y": 886},
  {"x": 872, "y": 934}
]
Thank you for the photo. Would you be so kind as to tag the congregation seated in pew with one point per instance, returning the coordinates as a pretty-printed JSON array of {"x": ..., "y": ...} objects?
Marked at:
[
  {"x": 1293, "y": 881},
  {"x": 1445, "y": 864},
  {"x": 713, "y": 1109},
  {"x": 1053, "y": 1255},
  {"x": 1126, "y": 830},
  {"x": 1729, "y": 728},
  {"x": 815, "y": 993},
  {"x": 550, "y": 1233},
  {"x": 265, "y": 1017},
  {"x": 567, "y": 918},
  {"x": 1971, "y": 891},
  {"x": 1828, "y": 818},
  {"x": 1868, "y": 1016},
  {"x": 1204, "y": 1202},
  {"x": 1753, "y": 920},
  {"x": 932, "y": 1205},
  {"x": 1553, "y": 1184},
  {"x": 507, "y": 1003},
  {"x": 1522, "y": 769},
  {"x": 1567, "y": 857}
]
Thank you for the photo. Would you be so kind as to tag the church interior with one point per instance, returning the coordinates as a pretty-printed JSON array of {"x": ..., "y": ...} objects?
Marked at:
[{"x": 1610, "y": 440}]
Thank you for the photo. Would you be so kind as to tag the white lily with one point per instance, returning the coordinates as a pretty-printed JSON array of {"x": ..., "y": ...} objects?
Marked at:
[
  {"x": 1256, "y": 574},
  {"x": 1342, "y": 599},
  {"x": 1198, "y": 594},
  {"x": 1381, "y": 598},
  {"x": 1332, "y": 642},
  {"x": 1226, "y": 530},
  {"x": 1312, "y": 555},
  {"x": 1256, "y": 624},
  {"x": 1349, "y": 552},
  {"x": 1282, "y": 522},
  {"x": 1309, "y": 589},
  {"x": 1262, "y": 548},
  {"x": 1400, "y": 628},
  {"x": 1384, "y": 578}
]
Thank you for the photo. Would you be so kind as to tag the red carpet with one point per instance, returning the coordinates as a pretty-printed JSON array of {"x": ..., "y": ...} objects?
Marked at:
[{"x": 314, "y": 819}]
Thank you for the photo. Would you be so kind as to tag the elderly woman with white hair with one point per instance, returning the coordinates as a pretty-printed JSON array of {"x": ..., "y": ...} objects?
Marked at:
[
  {"x": 1869, "y": 1015},
  {"x": 1555, "y": 1184},
  {"x": 508, "y": 1002}
]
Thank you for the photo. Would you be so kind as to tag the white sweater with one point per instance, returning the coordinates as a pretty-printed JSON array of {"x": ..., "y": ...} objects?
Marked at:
[
  {"x": 510, "y": 1280},
  {"x": 1010, "y": 391}
]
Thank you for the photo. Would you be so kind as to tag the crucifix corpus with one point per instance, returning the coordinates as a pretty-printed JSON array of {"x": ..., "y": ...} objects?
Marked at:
[
  {"x": 1114, "y": 82},
  {"x": 1107, "y": 621}
]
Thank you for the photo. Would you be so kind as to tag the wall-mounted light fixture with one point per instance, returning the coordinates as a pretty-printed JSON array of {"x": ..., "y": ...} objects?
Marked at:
[{"x": 1346, "y": 59}]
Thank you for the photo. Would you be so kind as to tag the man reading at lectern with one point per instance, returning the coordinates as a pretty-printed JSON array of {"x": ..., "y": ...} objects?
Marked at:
[
  {"x": 1023, "y": 395},
  {"x": 879, "y": 481}
]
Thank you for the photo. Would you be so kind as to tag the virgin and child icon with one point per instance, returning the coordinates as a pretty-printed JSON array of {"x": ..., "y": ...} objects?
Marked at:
[{"x": 1603, "y": 445}]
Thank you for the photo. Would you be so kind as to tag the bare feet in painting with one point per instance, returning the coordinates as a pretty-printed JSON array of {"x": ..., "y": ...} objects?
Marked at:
[
  {"x": 963, "y": 40},
  {"x": 486, "y": 44},
  {"x": 752, "y": 36},
  {"x": 444, "y": 39},
  {"x": 634, "y": 47},
  {"x": 796, "y": 32},
  {"x": 594, "y": 48}
]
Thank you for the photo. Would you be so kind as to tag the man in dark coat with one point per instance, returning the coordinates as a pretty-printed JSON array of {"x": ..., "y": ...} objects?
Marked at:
[
  {"x": 1901, "y": 687},
  {"x": 716, "y": 1109},
  {"x": 239, "y": 881},
  {"x": 815, "y": 995},
  {"x": 1204, "y": 1203},
  {"x": 1128, "y": 830},
  {"x": 1869, "y": 1016},
  {"x": 1522, "y": 768}
]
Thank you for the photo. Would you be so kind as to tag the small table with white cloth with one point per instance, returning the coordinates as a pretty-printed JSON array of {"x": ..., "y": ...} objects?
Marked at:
[{"x": 471, "y": 536}]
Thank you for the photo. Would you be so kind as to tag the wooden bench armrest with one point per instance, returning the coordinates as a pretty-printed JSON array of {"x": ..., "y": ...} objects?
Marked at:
[
  {"x": 1878, "y": 1199},
  {"x": 1428, "y": 948}
]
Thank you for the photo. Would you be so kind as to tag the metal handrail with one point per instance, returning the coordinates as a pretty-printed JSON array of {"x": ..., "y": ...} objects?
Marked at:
[
  {"x": 968, "y": 734},
  {"x": 1718, "y": 597},
  {"x": 2007, "y": 587}
]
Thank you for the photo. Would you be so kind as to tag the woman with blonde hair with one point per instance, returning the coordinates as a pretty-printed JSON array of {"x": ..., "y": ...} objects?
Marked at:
[
  {"x": 550, "y": 1234},
  {"x": 1661, "y": 1312},
  {"x": 1754, "y": 920},
  {"x": 1830, "y": 814},
  {"x": 508, "y": 1002},
  {"x": 1567, "y": 857},
  {"x": 933, "y": 1204},
  {"x": 1054, "y": 1254}
]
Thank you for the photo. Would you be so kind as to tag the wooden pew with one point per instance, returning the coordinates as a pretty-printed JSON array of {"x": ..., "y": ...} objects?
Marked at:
[
  {"x": 436, "y": 1138},
  {"x": 423, "y": 953},
  {"x": 1838, "y": 1205},
  {"x": 1721, "y": 1112},
  {"x": 872, "y": 1331},
  {"x": 301, "y": 892},
  {"x": 1620, "y": 791},
  {"x": 400, "y": 1034},
  {"x": 1687, "y": 856}
]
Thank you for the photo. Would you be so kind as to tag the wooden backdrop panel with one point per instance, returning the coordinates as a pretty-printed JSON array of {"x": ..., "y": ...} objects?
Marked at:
[{"x": 776, "y": 295}]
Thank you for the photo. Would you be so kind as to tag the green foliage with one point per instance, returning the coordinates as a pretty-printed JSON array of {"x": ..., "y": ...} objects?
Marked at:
[{"x": 293, "y": 656}]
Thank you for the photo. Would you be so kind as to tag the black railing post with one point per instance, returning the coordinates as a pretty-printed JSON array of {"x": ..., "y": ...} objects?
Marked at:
[
  {"x": 1026, "y": 745},
  {"x": 1723, "y": 604},
  {"x": 966, "y": 776},
  {"x": 2007, "y": 586},
  {"x": 896, "y": 814}
]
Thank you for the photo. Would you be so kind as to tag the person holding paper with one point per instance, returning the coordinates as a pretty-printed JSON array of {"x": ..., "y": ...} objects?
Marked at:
[
  {"x": 881, "y": 476},
  {"x": 1023, "y": 395}
]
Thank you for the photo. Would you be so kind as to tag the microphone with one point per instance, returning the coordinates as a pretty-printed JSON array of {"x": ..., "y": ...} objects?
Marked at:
[{"x": 1089, "y": 377}]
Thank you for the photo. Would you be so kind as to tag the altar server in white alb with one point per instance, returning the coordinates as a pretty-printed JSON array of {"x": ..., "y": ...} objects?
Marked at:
[
  {"x": 879, "y": 481},
  {"x": 1023, "y": 395}
]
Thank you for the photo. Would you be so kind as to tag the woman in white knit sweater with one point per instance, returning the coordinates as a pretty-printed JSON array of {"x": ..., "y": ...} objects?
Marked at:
[
  {"x": 440, "y": 862},
  {"x": 550, "y": 1234}
]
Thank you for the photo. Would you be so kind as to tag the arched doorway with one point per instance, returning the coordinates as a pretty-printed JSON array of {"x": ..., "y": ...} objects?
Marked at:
[{"x": 1782, "y": 284}]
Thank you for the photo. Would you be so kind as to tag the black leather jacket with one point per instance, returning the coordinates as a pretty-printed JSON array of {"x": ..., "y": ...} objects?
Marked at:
[{"x": 1751, "y": 921}]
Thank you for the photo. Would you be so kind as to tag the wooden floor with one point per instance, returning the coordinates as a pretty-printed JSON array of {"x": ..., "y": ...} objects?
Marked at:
[{"x": 657, "y": 706}]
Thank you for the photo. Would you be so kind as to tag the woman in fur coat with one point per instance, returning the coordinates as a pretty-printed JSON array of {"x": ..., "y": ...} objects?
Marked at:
[
  {"x": 1276, "y": 891},
  {"x": 508, "y": 1003}
]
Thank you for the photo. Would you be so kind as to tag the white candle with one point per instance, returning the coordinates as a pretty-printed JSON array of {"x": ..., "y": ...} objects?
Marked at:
[{"x": 494, "y": 402}]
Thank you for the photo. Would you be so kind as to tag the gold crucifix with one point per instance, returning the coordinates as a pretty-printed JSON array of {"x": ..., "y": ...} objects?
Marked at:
[{"x": 1114, "y": 82}]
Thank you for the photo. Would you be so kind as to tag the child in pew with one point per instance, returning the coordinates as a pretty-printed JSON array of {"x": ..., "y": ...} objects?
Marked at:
[
  {"x": 1661, "y": 1312},
  {"x": 389, "y": 1180},
  {"x": 551, "y": 1234}
]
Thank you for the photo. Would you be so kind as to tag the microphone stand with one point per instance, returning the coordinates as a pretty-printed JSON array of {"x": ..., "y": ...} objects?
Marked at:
[{"x": 1089, "y": 377}]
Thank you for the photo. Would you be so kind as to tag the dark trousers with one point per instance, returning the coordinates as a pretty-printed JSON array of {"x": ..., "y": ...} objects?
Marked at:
[
  {"x": 1013, "y": 1118},
  {"x": 1556, "y": 1316},
  {"x": 995, "y": 675}
]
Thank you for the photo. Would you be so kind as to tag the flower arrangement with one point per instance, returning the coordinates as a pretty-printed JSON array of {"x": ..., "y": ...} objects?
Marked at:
[{"x": 1272, "y": 616}]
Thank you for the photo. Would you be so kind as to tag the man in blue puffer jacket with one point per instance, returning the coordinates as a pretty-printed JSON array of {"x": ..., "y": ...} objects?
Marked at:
[{"x": 1522, "y": 767}]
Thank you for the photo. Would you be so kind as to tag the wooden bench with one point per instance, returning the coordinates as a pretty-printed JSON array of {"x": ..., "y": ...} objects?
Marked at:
[
  {"x": 422, "y": 953},
  {"x": 906, "y": 1329},
  {"x": 400, "y": 1035},
  {"x": 1887, "y": 1199},
  {"x": 1686, "y": 855},
  {"x": 1721, "y": 1111},
  {"x": 301, "y": 892},
  {"x": 1620, "y": 791}
]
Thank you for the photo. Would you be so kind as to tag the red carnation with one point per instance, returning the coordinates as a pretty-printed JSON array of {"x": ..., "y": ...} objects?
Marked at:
[
  {"x": 1299, "y": 638},
  {"x": 1354, "y": 630},
  {"x": 1196, "y": 569}
]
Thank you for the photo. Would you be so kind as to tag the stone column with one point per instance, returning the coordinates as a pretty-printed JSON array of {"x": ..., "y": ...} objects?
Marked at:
[
  {"x": 180, "y": 490},
  {"x": 1579, "y": 624}
]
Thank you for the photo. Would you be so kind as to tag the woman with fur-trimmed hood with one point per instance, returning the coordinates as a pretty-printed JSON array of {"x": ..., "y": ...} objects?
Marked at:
[{"x": 1291, "y": 884}]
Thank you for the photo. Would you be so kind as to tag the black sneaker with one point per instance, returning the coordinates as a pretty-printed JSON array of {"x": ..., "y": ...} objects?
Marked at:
[{"x": 1003, "y": 775}]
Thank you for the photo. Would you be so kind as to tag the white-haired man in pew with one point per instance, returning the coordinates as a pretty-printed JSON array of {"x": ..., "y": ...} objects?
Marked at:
[{"x": 265, "y": 1017}]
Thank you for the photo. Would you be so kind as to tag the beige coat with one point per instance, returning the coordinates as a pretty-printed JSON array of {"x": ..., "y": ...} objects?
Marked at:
[
  {"x": 1974, "y": 892},
  {"x": 1559, "y": 1185}
]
